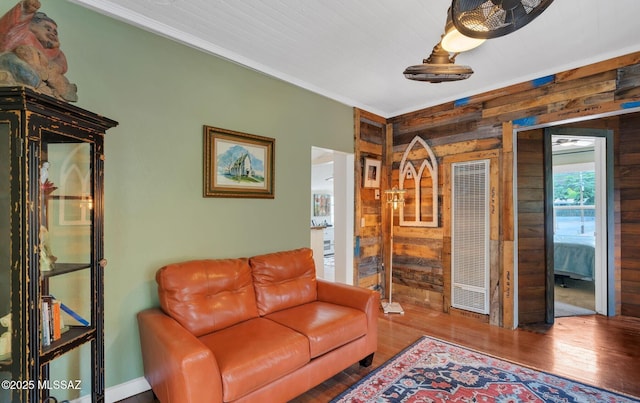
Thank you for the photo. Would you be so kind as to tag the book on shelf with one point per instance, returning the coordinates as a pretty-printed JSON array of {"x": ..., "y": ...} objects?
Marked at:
[
  {"x": 56, "y": 320},
  {"x": 53, "y": 325},
  {"x": 46, "y": 320}
]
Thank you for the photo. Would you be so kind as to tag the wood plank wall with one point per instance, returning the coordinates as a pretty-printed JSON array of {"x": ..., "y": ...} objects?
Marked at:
[
  {"x": 422, "y": 255},
  {"x": 485, "y": 122},
  {"x": 531, "y": 227},
  {"x": 629, "y": 187},
  {"x": 370, "y": 140}
]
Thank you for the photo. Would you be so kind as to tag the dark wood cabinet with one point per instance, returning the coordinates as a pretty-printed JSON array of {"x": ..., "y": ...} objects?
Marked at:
[{"x": 51, "y": 248}]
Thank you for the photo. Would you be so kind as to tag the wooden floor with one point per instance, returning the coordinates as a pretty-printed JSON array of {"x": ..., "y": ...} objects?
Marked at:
[{"x": 600, "y": 351}]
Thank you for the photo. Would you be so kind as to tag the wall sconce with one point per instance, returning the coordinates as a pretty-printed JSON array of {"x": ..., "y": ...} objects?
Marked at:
[
  {"x": 86, "y": 201},
  {"x": 395, "y": 197}
]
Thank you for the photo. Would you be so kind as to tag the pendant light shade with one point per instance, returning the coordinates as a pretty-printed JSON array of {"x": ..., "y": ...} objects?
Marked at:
[
  {"x": 453, "y": 41},
  {"x": 437, "y": 68},
  {"x": 487, "y": 19}
]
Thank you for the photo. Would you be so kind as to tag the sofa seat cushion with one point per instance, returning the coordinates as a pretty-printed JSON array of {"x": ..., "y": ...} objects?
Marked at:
[
  {"x": 254, "y": 353},
  {"x": 326, "y": 325}
]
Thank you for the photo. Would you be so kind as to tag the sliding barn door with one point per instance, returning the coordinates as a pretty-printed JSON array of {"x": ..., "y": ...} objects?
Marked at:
[{"x": 470, "y": 254}]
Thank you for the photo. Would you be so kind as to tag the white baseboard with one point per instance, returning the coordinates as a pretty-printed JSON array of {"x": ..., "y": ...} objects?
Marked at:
[
  {"x": 127, "y": 389},
  {"x": 121, "y": 391}
]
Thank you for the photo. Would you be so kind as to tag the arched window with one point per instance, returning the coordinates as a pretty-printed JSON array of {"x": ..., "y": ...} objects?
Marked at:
[{"x": 418, "y": 176}]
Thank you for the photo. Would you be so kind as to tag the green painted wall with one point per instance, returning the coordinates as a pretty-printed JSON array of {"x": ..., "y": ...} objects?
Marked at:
[{"x": 162, "y": 93}]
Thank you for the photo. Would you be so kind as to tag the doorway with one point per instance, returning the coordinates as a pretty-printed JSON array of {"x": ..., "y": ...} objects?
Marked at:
[
  {"x": 535, "y": 233},
  {"x": 579, "y": 220},
  {"x": 332, "y": 215},
  {"x": 531, "y": 280}
]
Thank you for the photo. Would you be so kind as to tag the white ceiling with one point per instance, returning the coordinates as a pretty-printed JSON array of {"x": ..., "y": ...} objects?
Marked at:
[{"x": 354, "y": 51}]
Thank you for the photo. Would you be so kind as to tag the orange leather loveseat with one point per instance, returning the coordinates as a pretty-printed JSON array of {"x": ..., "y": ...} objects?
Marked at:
[{"x": 259, "y": 329}]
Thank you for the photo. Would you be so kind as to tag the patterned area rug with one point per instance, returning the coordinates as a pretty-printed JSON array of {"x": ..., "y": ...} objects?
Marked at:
[{"x": 432, "y": 370}]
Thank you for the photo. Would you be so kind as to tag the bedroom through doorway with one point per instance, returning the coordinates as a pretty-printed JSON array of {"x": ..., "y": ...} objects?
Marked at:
[{"x": 579, "y": 220}]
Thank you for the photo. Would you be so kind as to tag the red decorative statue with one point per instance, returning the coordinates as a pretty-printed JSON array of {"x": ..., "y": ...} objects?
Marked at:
[{"x": 30, "y": 52}]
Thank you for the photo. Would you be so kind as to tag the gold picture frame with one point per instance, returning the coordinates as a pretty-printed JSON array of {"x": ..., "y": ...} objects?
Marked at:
[{"x": 237, "y": 164}]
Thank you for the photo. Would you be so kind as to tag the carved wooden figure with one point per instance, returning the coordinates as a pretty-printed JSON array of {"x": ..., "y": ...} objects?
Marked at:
[{"x": 30, "y": 52}]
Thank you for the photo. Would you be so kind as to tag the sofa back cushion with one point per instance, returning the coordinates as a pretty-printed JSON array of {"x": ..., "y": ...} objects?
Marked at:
[
  {"x": 207, "y": 295},
  {"x": 284, "y": 279}
]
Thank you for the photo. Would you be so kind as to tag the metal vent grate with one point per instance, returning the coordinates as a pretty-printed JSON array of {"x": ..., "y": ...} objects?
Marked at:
[{"x": 470, "y": 236}]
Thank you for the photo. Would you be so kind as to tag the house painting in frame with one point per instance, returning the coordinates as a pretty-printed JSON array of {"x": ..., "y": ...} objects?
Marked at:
[{"x": 237, "y": 164}]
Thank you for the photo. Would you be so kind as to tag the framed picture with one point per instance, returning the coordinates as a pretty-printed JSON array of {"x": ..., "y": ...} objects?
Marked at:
[
  {"x": 371, "y": 173},
  {"x": 237, "y": 164},
  {"x": 321, "y": 205}
]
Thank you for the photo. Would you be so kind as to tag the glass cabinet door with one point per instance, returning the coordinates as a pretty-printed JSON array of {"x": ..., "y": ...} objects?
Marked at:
[
  {"x": 66, "y": 237},
  {"x": 5, "y": 260}
]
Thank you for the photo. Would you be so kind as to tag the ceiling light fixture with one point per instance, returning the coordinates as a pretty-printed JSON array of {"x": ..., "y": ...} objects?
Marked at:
[
  {"x": 455, "y": 42},
  {"x": 487, "y": 19},
  {"x": 438, "y": 67}
]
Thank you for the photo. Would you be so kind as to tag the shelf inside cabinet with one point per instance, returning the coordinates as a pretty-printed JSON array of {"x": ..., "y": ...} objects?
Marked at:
[
  {"x": 74, "y": 337},
  {"x": 63, "y": 268}
]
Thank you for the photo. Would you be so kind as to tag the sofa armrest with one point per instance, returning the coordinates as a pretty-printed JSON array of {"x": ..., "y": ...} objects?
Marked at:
[
  {"x": 176, "y": 364},
  {"x": 359, "y": 298},
  {"x": 348, "y": 295}
]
